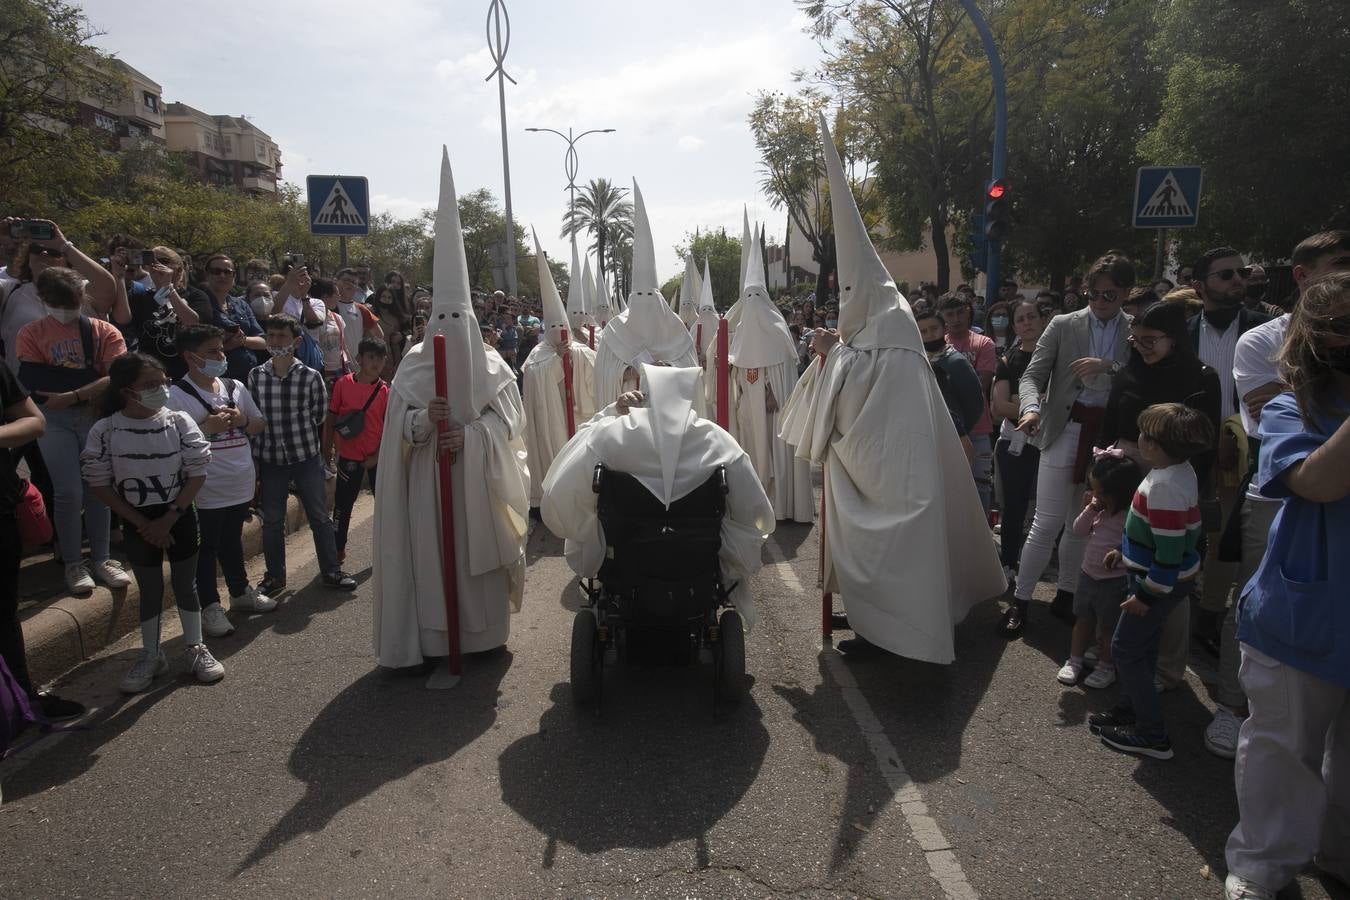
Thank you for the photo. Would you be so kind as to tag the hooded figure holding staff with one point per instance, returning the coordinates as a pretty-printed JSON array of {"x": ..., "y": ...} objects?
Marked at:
[
  {"x": 907, "y": 545},
  {"x": 488, "y": 475}
]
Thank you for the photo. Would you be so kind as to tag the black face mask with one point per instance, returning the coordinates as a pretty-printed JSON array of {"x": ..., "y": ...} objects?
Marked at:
[
  {"x": 1338, "y": 358},
  {"x": 935, "y": 346},
  {"x": 1223, "y": 317},
  {"x": 1256, "y": 291}
]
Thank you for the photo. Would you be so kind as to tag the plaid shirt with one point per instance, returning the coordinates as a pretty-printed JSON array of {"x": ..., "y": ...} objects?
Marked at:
[{"x": 294, "y": 407}]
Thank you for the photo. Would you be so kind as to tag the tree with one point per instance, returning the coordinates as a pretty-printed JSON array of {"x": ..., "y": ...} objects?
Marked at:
[
  {"x": 1256, "y": 92},
  {"x": 791, "y": 163},
  {"x": 602, "y": 212},
  {"x": 723, "y": 254}
]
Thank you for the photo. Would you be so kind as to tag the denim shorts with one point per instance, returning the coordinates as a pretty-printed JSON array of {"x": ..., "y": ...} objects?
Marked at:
[{"x": 1100, "y": 599}]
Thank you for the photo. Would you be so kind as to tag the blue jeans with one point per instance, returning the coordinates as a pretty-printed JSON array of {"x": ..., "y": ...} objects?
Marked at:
[
  {"x": 982, "y": 468},
  {"x": 1017, "y": 474},
  {"x": 1135, "y": 650},
  {"x": 63, "y": 441},
  {"x": 222, "y": 532},
  {"x": 309, "y": 485}
]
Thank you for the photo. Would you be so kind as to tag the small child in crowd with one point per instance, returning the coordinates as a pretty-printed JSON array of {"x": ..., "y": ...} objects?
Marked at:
[
  {"x": 1112, "y": 481},
  {"x": 1162, "y": 532},
  {"x": 356, "y": 420},
  {"x": 147, "y": 464}
]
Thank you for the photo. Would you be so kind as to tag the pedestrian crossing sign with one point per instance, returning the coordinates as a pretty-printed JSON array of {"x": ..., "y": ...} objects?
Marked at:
[
  {"x": 1167, "y": 197},
  {"x": 338, "y": 204}
]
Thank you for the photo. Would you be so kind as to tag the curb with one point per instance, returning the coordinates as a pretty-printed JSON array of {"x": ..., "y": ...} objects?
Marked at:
[{"x": 70, "y": 630}]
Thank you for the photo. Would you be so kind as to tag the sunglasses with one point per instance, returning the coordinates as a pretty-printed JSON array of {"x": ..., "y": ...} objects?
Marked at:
[
  {"x": 220, "y": 272},
  {"x": 1108, "y": 296},
  {"x": 1144, "y": 343},
  {"x": 1244, "y": 272},
  {"x": 49, "y": 252}
]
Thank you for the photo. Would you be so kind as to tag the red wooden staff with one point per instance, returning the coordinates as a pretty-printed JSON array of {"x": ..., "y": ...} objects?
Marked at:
[
  {"x": 567, "y": 386},
  {"x": 826, "y": 598},
  {"x": 723, "y": 383},
  {"x": 591, "y": 329},
  {"x": 450, "y": 584}
]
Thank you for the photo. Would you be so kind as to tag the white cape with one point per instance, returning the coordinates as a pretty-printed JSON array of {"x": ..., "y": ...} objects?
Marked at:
[
  {"x": 786, "y": 479},
  {"x": 906, "y": 542},
  {"x": 545, "y": 408},
  {"x": 625, "y": 444}
]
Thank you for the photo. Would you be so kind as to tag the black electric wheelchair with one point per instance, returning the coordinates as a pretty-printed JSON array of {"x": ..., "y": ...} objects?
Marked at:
[{"x": 659, "y": 587}]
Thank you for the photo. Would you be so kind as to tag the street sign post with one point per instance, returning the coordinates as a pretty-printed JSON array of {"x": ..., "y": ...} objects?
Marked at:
[
  {"x": 339, "y": 205},
  {"x": 1166, "y": 197}
]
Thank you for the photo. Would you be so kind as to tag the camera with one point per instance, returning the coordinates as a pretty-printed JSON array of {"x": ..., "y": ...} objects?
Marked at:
[
  {"x": 295, "y": 260},
  {"x": 138, "y": 258},
  {"x": 28, "y": 229}
]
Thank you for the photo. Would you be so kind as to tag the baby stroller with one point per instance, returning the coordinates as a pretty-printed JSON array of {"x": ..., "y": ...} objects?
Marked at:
[{"x": 660, "y": 584}]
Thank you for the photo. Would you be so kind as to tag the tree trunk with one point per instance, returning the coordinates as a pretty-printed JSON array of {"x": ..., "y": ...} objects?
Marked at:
[
  {"x": 940, "y": 249},
  {"x": 827, "y": 266}
]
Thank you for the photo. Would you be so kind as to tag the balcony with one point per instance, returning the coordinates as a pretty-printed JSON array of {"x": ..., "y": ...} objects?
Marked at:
[{"x": 259, "y": 185}]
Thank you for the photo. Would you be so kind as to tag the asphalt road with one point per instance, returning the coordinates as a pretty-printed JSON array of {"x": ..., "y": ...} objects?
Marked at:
[{"x": 307, "y": 772}]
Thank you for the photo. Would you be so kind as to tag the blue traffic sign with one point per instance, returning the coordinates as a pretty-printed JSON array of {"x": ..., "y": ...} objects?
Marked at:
[
  {"x": 1167, "y": 197},
  {"x": 338, "y": 204}
]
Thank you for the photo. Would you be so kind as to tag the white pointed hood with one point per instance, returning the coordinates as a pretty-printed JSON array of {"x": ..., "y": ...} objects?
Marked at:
[
  {"x": 555, "y": 313},
  {"x": 670, "y": 409},
  {"x": 576, "y": 293},
  {"x": 648, "y": 330},
  {"x": 605, "y": 299},
  {"x": 707, "y": 312},
  {"x": 873, "y": 314},
  {"x": 761, "y": 338},
  {"x": 690, "y": 289},
  {"x": 587, "y": 289},
  {"x": 599, "y": 298},
  {"x": 745, "y": 244},
  {"x": 475, "y": 374}
]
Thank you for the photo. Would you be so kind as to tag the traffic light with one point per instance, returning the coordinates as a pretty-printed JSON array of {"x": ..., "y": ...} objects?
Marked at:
[{"x": 997, "y": 209}]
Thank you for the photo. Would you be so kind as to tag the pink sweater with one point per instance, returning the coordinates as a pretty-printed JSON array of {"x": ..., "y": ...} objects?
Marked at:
[{"x": 1103, "y": 532}]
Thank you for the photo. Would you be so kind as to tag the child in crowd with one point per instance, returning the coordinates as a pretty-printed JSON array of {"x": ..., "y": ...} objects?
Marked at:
[
  {"x": 1112, "y": 481},
  {"x": 147, "y": 464},
  {"x": 356, "y": 420},
  {"x": 1162, "y": 531}
]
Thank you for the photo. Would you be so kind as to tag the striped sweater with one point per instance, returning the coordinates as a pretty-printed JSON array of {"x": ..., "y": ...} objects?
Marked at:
[{"x": 1163, "y": 529}]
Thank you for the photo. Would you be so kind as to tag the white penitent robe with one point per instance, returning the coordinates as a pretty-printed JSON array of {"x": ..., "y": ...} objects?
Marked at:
[
  {"x": 614, "y": 359},
  {"x": 625, "y": 444},
  {"x": 491, "y": 509},
  {"x": 545, "y": 408},
  {"x": 906, "y": 542},
  {"x": 786, "y": 479}
]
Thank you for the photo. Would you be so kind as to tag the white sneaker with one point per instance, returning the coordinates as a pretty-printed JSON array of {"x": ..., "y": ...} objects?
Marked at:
[
  {"x": 205, "y": 667},
  {"x": 78, "y": 579},
  {"x": 1221, "y": 735},
  {"x": 1100, "y": 677},
  {"x": 1069, "y": 672},
  {"x": 111, "y": 573},
  {"x": 143, "y": 671},
  {"x": 1236, "y": 887},
  {"x": 214, "y": 621},
  {"x": 254, "y": 600}
]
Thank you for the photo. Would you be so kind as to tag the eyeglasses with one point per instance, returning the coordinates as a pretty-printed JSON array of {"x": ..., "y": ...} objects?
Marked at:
[
  {"x": 1108, "y": 296},
  {"x": 1244, "y": 272},
  {"x": 220, "y": 272},
  {"x": 1144, "y": 343}
]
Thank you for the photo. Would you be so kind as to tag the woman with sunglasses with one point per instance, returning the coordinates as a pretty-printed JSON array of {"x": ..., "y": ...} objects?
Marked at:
[
  {"x": 233, "y": 315},
  {"x": 34, "y": 257},
  {"x": 157, "y": 315},
  {"x": 1293, "y": 752}
]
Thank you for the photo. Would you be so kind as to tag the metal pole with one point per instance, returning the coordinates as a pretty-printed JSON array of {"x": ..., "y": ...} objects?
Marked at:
[
  {"x": 1000, "y": 130},
  {"x": 571, "y": 162},
  {"x": 1160, "y": 259},
  {"x": 498, "y": 44}
]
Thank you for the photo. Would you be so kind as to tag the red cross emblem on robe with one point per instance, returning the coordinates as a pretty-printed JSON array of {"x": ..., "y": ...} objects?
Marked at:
[{"x": 752, "y": 375}]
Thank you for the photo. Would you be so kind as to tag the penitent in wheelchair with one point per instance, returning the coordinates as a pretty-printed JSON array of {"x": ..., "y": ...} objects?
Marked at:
[{"x": 659, "y": 588}]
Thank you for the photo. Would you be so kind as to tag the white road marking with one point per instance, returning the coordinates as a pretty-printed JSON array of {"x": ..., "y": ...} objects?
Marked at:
[{"x": 940, "y": 852}]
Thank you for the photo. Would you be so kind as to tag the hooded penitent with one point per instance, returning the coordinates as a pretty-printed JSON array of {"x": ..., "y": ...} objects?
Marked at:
[
  {"x": 544, "y": 378},
  {"x": 764, "y": 360},
  {"x": 647, "y": 331},
  {"x": 576, "y": 295},
  {"x": 907, "y": 545},
  {"x": 603, "y": 311},
  {"x": 671, "y": 450},
  {"x": 488, "y": 479},
  {"x": 588, "y": 294},
  {"x": 733, "y": 315},
  {"x": 690, "y": 288}
]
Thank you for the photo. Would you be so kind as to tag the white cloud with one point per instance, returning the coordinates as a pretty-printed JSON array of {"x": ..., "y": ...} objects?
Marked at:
[
  {"x": 400, "y": 207},
  {"x": 690, "y": 143}
]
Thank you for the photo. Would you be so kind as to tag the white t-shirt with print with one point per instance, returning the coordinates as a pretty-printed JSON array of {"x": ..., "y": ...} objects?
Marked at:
[{"x": 230, "y": 475}]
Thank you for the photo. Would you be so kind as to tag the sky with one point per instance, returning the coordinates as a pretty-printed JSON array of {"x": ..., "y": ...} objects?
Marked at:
[{"x": 345, "y": 91}]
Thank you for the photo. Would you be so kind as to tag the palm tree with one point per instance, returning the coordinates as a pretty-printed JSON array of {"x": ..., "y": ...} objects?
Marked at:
[{"x": 602, "y": 212}]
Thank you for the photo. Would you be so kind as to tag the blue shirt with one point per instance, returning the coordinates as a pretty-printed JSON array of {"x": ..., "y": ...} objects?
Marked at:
[
  {"x": 1296, "y": 608},
  {"x": 237, "y": 311}
]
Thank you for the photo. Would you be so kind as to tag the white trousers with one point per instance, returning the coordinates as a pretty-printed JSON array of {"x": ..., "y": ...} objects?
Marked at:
[
  {"x": 1058, "y": 500},
  {"x": 1292, "y": 774}
]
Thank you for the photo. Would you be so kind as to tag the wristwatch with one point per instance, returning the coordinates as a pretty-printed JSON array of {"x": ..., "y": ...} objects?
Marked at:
[
  {"x": 178, "y": 509},
  {"x": 1115, "y": 368}
]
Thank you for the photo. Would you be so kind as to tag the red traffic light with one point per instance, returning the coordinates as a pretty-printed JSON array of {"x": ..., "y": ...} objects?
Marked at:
[{"x": 997, "y": 190}]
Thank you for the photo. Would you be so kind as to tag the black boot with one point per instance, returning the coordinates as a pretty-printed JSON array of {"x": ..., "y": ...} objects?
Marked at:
[
  {"x": 1062, "y": 606},
  {"x": 1014, "y": 619}
]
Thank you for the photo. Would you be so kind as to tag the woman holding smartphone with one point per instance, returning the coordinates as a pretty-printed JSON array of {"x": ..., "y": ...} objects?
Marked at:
[{"x": 234, "y": 316}]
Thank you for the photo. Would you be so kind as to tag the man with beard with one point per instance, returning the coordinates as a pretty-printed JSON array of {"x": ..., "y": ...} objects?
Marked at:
[{"x": 1220, "y": 279}]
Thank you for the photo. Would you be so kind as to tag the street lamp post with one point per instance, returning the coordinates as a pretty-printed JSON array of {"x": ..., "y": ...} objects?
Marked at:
[
  {"x": 570, "y": 161},
  {"x": 498, "y": 43}
]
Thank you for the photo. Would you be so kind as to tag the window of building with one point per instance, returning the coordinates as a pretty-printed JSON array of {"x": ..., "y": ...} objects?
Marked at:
[
  {"x": 106, "y": 122},
  {"x": 261, "y": 150},
  {"x": 229, "y": 144},
  {"x": 137, "y": 131}
]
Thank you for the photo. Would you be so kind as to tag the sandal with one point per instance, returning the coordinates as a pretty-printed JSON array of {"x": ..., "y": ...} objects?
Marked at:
[{"x": 1014, "y": 619}]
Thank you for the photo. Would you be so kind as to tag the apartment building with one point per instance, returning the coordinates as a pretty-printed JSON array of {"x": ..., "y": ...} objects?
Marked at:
[
  {"x": 227, "y": 150},
  {"x": 134, "y": 112}
]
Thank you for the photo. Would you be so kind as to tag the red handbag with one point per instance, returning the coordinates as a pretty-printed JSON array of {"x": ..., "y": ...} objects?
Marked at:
[{"x": 35, "y": 528}]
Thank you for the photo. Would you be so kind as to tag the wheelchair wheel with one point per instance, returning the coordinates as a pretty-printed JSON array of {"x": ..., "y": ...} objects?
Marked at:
[
  {"x": 733, "y": 684},
  {"x": 585, "y": 658}
]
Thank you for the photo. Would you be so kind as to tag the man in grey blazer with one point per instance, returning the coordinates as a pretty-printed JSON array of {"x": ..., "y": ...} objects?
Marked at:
[{"x": 1063, "y": 397}]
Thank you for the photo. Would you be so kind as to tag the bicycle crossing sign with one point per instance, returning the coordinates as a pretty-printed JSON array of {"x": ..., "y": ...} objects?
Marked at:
[
  {"x": 1167, "y": 197},
  {"x": 338, "y": 204}
]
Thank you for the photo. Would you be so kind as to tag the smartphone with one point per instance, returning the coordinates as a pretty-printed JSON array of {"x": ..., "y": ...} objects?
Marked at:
[
  {"x": 296, "y": 260},
  {"x": 28, "y": 229},
  {"x": 139, "y": 258}
]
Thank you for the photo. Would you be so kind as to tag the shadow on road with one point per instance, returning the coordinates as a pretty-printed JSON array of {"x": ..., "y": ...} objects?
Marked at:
[
  {"x": 361, "y": 741},
  {"x": 655, "y": 766}
]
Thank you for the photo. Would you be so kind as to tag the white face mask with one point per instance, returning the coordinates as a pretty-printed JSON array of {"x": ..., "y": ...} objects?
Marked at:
[
  {"x": 154, "y": 398},
  {"x": 64, "y": 316},
  {"x": 280, "y": 352}
]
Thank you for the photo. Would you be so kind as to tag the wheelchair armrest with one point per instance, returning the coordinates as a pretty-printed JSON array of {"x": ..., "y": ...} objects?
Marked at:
[
  {"x": 598, "y": 478},
  {"x": 722, "y": 479}
]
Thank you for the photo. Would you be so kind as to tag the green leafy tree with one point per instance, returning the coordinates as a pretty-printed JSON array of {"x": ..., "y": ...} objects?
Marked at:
[
  {"x": 723, "y": 254},
  {"x": 602, "y": 212}
]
